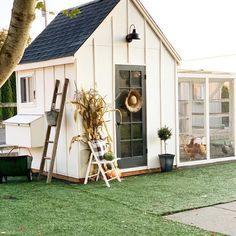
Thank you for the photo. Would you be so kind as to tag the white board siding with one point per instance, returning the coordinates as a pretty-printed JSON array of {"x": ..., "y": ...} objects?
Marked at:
[
  {"x": 85, "y": 70},
  {"x": 168, "y": 96},
  {"x": 104, "y": 80},
  {"x": 72, "y": 167},
  {"x": 103, "y": 35},
  {"x": 85, "y": 67},
  {"x": 61, "y": 157},
  {"x": 49, "y": 83},
  {"x": 153, "y": 102},
  {"x": 120, "y": 30},
  {"x": 136, "y": 47},
  {"x": 39, "y": 84},
  {"x": 103, "y": 73}
]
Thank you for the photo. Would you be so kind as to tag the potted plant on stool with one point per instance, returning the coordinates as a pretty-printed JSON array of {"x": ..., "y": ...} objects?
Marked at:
[{"x": 166, "y": 160}]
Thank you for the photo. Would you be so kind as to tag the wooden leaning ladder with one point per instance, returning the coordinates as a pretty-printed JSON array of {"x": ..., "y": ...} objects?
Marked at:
[{"x": 57, "y": 131}]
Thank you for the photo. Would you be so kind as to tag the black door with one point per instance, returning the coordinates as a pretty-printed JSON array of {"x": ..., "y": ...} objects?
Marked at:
[{"x": 131, "y": 132}]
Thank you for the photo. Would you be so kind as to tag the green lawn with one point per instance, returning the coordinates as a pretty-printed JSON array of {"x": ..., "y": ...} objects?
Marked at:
[{"x": 133, "y": 207}]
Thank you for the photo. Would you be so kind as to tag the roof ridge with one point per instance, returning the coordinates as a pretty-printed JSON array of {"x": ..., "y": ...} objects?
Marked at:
[{"x": 82, "y": 5}]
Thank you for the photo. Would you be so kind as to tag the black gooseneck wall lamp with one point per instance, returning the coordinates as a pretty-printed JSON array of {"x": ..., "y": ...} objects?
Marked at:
[{"x": 133, "y": 35}]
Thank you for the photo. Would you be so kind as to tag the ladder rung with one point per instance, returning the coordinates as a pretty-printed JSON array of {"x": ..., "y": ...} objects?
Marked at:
[
  {"x": 90, "y": 176},
  {"x": 59, "y": 93},
  {"x": 50, "y": 141},
  {"x": 112, "y": 178},
  {"x": 47, "y": 158}
]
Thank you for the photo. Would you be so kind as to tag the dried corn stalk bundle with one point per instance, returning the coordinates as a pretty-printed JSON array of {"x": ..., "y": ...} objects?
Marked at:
[{"x": 92, "y": 107}]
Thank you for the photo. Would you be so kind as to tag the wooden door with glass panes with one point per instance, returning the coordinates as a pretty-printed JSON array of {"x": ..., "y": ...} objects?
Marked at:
[{"x": 131, "y": 128}]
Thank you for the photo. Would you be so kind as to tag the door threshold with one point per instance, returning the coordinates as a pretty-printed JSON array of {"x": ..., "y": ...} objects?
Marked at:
[
  {"x": 134, "y": 169},
  {"x": 138, "y": 171}
]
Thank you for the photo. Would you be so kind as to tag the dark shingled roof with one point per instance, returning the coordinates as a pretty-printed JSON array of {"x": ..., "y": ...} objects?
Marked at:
[{"x": 64, "y": 35}]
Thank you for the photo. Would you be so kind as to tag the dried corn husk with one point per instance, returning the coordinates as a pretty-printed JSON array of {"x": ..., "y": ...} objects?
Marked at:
[{"x": 92, "y": 107}]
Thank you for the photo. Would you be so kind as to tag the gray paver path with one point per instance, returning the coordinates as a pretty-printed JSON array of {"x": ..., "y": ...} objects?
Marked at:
[{"x": 219, "y": 218}]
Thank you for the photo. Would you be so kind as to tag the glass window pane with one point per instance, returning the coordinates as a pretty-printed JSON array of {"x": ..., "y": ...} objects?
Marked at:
[
  {"x": 198, "y": 91},
  {"x": 183, "y": 87},
  {"x": 126, "y": 115},
  {"x": 27, "y": 89},
  {"x": 136, "y": 79},
  {"x": 137, "y": 131},
  {"x": 221, "y": 140},
  {"x": 198, "y": 107},
  {"x": 215, "y": 107},
  {"x": 192, "y": 121},
  {"x": 225, "y": 107},
  {"x": 124, "y": 78},
  {"x": 198, "y": 121},
  {"x": 137, "y": 148},
  {"x": 125, "y": 132},
  {"x": 221, "y": 119},
  {"x": 225, "y": 90},
  {"x": 125, "y": 149},
  {"x": 140, "y": 91},
  {"x": 218, "y": 123},
  {"x": 225, "y": 121},
  {"x": 23, "y": 90},
  {"x": 137, "y": 116}
]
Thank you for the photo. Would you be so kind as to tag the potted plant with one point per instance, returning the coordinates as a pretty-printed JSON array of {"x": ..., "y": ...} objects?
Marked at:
[{"x": 166, "y": 159}]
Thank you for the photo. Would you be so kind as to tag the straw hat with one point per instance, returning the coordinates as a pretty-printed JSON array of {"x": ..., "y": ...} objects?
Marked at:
[
  {"x": 121, "y": 101},
  {"x": 134, "y": 101}
]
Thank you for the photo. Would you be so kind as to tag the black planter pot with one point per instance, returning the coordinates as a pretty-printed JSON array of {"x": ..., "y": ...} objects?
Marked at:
[{"x": 166, "y": 162}]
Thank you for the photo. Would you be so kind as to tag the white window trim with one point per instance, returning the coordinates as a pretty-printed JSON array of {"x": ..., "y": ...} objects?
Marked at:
[{"x": 33, "y": 102}]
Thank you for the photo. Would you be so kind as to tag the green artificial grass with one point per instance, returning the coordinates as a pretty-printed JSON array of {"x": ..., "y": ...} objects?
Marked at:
[{"x": 133, "y": 207}]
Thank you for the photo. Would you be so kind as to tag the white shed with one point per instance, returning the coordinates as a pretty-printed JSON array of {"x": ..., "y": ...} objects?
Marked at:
[{"x": 91, "y": 50}]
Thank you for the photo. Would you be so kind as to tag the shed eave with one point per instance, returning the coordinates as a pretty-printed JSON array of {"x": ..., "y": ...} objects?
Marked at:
[
  {"x": 41, "y": 64},
  {"x": 193, "y": 74},
  {"x": 157, "y": 30}
]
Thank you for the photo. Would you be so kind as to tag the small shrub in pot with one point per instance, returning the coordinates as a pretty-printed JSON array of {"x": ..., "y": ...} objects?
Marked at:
[{"x": 166, "y": 160}]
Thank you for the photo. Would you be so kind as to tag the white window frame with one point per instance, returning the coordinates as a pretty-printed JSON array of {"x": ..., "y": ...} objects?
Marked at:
[
  {"x": 29, "y": 89},
  {"x": 207, "y": 79}
]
